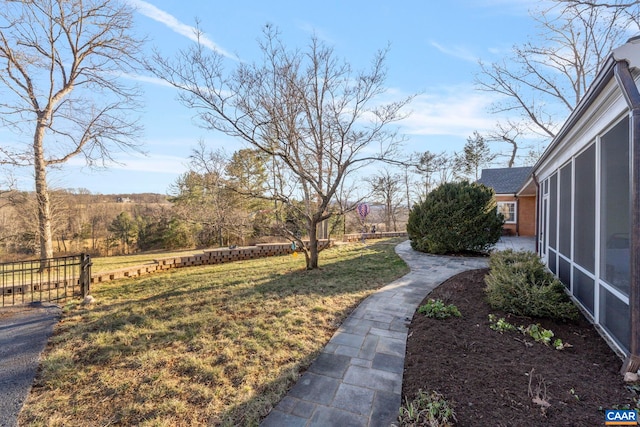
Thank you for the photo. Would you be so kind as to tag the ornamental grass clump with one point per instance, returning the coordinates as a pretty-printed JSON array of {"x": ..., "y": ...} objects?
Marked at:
[{"x": 518, "y": 283}]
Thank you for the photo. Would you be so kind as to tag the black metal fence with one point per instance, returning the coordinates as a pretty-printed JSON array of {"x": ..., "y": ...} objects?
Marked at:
[{"x": 52, "y": 279}]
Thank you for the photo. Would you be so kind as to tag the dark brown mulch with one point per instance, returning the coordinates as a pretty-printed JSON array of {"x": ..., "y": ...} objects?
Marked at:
[{"x": 487, "y": 375}]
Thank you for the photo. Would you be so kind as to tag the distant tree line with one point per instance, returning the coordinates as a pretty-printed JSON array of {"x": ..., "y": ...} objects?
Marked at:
[
  {"x": 312, "y": 122},
  {"x": 224, "y": 200}
]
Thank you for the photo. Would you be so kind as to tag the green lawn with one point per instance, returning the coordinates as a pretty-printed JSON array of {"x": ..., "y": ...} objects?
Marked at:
[
  {"x": 214, "y": 345},
  {"x": 110, "y": 263}
]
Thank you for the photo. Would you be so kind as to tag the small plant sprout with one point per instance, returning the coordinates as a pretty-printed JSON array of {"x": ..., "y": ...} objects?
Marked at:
[
  {"x": 538, "y": 333},
  {"x": 438, "y": 310},
  {"x": 574, "y": 394},
  {"x": 427, "y": 410},
  {"x": 500, "y": 325},
  {"x": 559, "y": 345},
  {"x": 535, "y": 331}
]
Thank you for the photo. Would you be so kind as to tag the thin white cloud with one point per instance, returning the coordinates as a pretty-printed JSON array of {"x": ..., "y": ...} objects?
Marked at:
[
  {"x": 147, "y": 79},
  {"x": 453, "y": 111},
  {"x": 455, "y": 51},
  {"x": 192, "y": 33}
]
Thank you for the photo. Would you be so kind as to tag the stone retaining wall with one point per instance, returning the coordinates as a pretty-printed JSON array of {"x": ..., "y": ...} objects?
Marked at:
[
  {"x": 207, "y": 257},
  {"x": 358, "y": 236}
]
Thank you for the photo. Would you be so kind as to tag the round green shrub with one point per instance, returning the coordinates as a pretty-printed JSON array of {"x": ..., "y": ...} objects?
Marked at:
[
  {"x": 454, "y": 218},
  {"x": 519, "y": 283}
]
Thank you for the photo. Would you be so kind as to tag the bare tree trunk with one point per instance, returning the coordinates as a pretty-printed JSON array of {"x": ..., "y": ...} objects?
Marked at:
[
  {"x": 59, "y": 62},
  {"x": 388, "y": 218},
  {"x": 514, "y": 150},
  {"x": 303, "y": 108},
  {"x": 406, "y": 187},
  {"x": 312, "y": 260},
  {"x": 42, "y": 195}
]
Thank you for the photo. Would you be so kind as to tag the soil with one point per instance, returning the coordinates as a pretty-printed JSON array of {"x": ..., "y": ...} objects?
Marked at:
[{"x": 492, "y": 378}]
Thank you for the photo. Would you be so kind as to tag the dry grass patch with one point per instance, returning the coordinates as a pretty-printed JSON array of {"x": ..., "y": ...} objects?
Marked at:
[
  {"x": 111, "y": 263},
  {"x": 214, "y": 345}
]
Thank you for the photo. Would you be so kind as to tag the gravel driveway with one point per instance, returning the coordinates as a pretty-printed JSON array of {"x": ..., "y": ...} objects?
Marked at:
[{"x": 24, "y": 332}]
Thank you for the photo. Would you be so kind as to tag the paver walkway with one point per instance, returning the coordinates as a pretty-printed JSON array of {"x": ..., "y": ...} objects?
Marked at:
[{"x": 357, "y": 379}]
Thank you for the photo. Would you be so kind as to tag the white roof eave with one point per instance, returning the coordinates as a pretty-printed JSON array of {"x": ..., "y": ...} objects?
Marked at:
[{"x": 629, "y": 52}]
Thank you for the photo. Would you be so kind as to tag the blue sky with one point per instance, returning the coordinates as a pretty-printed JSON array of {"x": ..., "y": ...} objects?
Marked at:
[{"x": 435, "y": 47}]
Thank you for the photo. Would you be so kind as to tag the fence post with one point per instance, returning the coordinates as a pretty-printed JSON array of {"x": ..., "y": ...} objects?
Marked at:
[{"x": 85, "y": 274}]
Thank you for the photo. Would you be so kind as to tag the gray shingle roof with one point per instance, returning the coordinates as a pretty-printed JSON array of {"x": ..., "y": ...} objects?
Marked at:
[{"x": 504, "y": 180}]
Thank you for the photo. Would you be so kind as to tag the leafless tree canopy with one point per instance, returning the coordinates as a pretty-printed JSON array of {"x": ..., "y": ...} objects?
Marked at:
[
  {"x": 310, "y": 111},
  {"x": 630, "y": 8},
  {"x": 543, "y": 80},
  {"x": 62, "y": 65},
  {"x": 387, "y": 190},
  {"x": 61, "y": 88}
]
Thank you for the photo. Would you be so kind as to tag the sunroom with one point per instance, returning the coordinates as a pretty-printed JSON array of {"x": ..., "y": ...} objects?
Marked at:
[{"x": 588, "y": 206}]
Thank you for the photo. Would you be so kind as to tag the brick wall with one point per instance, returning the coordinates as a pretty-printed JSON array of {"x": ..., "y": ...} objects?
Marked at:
[{"x": 527, "y": 215}]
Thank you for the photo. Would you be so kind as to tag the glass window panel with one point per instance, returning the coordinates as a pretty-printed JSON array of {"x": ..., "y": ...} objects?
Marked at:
[
  {"x": 508, "y": 210},
  {"x": 553, "y": 211},
  {"x": 564, "y": 272},
  {"x": 552, "y": 261},
  {"x": 585, "y": 209},
  {"x": 564, "y": 214},
  {"x": 583, "y": 289},
  {"x": 615, "y": 207},
  {"x": 614, "y": 317},
  {"x": 541, "y": 222},
  {"x": 543, "y": 234}
]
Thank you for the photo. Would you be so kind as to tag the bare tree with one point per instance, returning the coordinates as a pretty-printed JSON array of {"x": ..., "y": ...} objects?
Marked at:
[
  {"x": 541, "y": 83},
  {"x": 387, "y": 189},
  {"x": 306, "y": 108},
  {"x": 606, "y": 4},
  {"x": 510, "y": 133},
  {"x": 202, "y": 196},
  {"x": 429, "y": 166},
  {"x": 60, "y": 87},
  {"x": 407, "y": 179},
  {"x": 631, "y": 8},
  {"x": 446, "y": 169}
]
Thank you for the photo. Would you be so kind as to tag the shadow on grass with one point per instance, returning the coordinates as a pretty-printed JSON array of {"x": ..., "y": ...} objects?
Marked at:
[
  {"x": 240, "y": 340},
  {"x": 331, "y": 279}
]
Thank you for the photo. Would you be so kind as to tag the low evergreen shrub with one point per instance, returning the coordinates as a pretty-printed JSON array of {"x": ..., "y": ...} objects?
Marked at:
[
  {"x": 518, "y": 283},
  {"x": 455, "y": 217}
]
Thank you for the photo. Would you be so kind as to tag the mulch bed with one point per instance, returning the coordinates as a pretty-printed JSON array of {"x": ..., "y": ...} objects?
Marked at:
[{"x": 492, "y": 378}]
